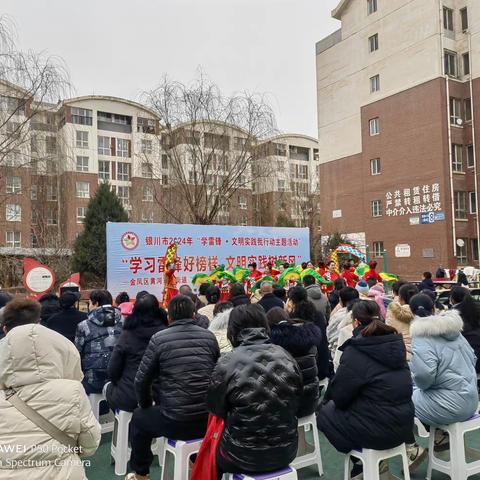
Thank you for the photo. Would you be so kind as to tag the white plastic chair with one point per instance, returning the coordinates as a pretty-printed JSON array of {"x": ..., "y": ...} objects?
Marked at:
[
  {"x": 181, "y": 451},
  {"x": 95, "y": 400},
  {"x": 457, "y": 466},
  {"x": 288, "y": 473},
  {"x": 119, "y": 449},
  {"x": 371, "y": 461},
  {"x": 314, "y": 458}
]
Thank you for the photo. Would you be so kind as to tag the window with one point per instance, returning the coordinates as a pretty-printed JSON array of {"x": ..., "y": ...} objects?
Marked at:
[
  {"x": 460, "y": 200},
  {"x": 281, "y": 185},
  {"x": 374, "y": 83},
  {"x": 374, "y": 126},
  {"x": 466, "y": 63},
  {"x": 375, "y": 168},
  {"x": 51, "y": 145},
  {"x": 104, "y": 147},
  {"x": 242, "y": 202},
  {"x": 164, "y": 179},
  {"x": 464, "y": 18},
  {"x": 34, "y": 240},
  {"x": 373, "y": 43},
  {"x": 377, "y": 249},
  {"x": 33, "y": 192},
  {"x": 113, "y": 118},
  {"x": 470, "y": 156},
  {"x": 147, "y": 217},
  {"x": 123, "y": 171},
  {"x": 13, "y": 213},
  {"x": 81, "y": 116},
  {"x": 52, "y": 218},
  {"x": 457, "y": 161},
  {"x": 83, "y": 190},
  {"x": 303, "y": 172},
  {"x": 448, "y": 19},
  {"x": 34, "y": 144},
  {"x": 371, "y": 6},
  {"x": 123, "y": 147},
  {"x": 165, "y": 161},
  {"x": 145, "y": 125},
  {"x": 450, "y": 63},
  {"x": 455, "y": 111},
  {"x": 147, "y": 194},
  {"x": 34, "y": 217},
  {"x": 467, "y": 105},
  {"x": 14, "y": 185},
  {"x": 472, "y": 202},
  {"x": 461, "y": 245},
  {"x": 51, "y": 193},
  {"x": 81, "y": 140},
  {"x": 81, "y": 212},
  {"x": 147, "y": 170},
  {"x": 82, "y": 164},
  {"x": 103, "y": 170},
  {"x": 123, "y": 193},
  {"x": 474, "y": 247},
  {"x": 243, "y": 221},
  {"x": 146, "y": 146},
  {"x": 376, "y": 208},
  {"x": 13, "y": 239}
]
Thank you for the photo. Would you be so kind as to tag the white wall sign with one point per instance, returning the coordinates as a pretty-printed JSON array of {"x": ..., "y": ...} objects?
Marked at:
[
  {"x": 402, "y": 250},
  {"x": 337, "y": 214},
  {"x": 414, "y": 220}
]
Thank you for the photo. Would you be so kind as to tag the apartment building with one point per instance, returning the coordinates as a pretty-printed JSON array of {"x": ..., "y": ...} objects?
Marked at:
[
  {"x": 63, "y": 152},
  {"x": 397, "y": 91}
]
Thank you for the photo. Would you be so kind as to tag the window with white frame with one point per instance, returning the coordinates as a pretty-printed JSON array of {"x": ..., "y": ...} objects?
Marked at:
[
  {"x": 104, "y": 146},
  {"x": 34, "y": 217},
  {"x": 123, "y": 193},
  {"x": 377, "y": 249},
  {"x": 457, "y": 158},
  {"x": 374, "y": 125},
  {"x": 147, "y": 170},
  {"x": 123, "y": 171},
  {"x": 472, "y": 201},
  {"x": 242, "y": 202},
  {"x": 460, "y": 203},
  {"x": 303, "y": 172},
  {"x": 462, "y": 254},
  {"x": 448, "y": 19},
  {"x": 147, "y": 217},
  {"x": 375, "y": 83},
  {"x": 14, "y": 185},
  {"x": 81, "y": 116},
  {"x": 81, "y": 140},
  {"x": 373, "y": 43},
  {"x": 52, "y": 216},
  {"x": 148, "y": 194},
  {"x": 371, "y": 6},
  {"x": 376, "y": 208},
  {"x": 147, "y": 147},
  {"x": 81, "y": 213},
  {"x": 455, "y": 111},
  {"x": 164, "y": 179},
  {"x": 375, "y": 166},
  {"x": 450, "y": 63},
  {"x": 103, "y": 170},
  {"x": 244, "y": 221},
  {"x": 83, "y": 189},
  {"x": 33, "y": 192},
  {"x": 82, "y": 164},
  {"x": 281, "y": 185},
  {"x": 13, "y": 239},
  {"x": 123, "y": 147},
  {"x": 13, "y": 212},
  {"x": 470, "y": 156},
  {"x": 464, "y": 18},
  {"x": 52, "y": 193}
]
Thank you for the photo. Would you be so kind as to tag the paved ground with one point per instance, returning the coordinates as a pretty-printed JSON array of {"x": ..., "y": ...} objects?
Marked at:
[{"x": 332, "y": 462}]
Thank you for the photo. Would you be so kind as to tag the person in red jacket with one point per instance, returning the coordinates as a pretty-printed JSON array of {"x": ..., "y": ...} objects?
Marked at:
[
  {"x": 348, "y": 274},
  {"x": 372, "y": 273},
  {"x": 254, "y": 273},
  {"x": 331, "y": 274},
  {"x": 271, "y": 272}
]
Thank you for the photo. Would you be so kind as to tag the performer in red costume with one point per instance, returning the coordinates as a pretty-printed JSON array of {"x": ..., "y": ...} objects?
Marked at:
[
  {"x": 331, "y": 274},
  {"x": 271, "y": 272},
  {"x": 171, "y": 283},
  {"x": 348, "y": 274},
  {"x": 372, "y": 273}
]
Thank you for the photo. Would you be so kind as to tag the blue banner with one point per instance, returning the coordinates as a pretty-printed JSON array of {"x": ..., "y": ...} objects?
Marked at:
[{"x": 135, "y": 251}]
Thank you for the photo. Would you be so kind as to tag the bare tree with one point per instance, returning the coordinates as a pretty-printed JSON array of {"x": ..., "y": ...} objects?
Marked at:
[{"x": 208, "y": 144}]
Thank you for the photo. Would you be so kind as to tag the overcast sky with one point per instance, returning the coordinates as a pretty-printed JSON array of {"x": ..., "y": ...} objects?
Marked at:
[{"x": 122, "y": 47}]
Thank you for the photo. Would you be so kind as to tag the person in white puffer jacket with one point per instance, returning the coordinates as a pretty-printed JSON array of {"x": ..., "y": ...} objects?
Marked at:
[{"x": 43, "y": 367}]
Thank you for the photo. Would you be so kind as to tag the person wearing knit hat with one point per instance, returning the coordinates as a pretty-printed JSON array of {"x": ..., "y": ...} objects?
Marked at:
[
  {"x": 372, "y": 273},
  {"x": 362, "y": 288},
  {"x": 443, "y": 368}
]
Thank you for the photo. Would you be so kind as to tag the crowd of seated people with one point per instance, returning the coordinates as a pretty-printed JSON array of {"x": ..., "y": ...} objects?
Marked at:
[{"x": 255, "y": 364}]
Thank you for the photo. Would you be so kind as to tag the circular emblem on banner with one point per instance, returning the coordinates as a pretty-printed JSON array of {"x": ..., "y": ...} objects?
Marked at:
[
  {"x": 39, "y": 279},
  {"x": 129, "y": 240}
]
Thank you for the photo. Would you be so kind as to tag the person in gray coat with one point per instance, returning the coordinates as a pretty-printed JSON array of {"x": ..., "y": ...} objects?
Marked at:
[{"x": 316, "y": 296}]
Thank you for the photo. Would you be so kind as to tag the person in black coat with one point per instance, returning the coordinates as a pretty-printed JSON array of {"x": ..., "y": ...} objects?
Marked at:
[
  {"x": 269, "y": 300},
  {"x": 427, "y": 282},
  {"x": 256, "y": 390},
  {"x": 334, "y": 297},
  {"x": 371, "y": 392},
  {"x": 180, "y": 359},
  {"x": 300, "y": 340},
  {"x": 469, "y": 309},
  {"x": 146, "y": 319},
  {"x": 299, "y": 306},
  {"x": 66, "y": 321},
  {"x": 238, "y": 295},
  {"x": 50, "y": 305}
]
